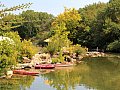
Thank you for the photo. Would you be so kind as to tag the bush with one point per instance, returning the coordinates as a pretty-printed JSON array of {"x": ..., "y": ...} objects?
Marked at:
[
  {"x": 51, "y": 48},
  {"x": 44, "y": 50},
  {"x": 114, "y": 46},
  {"x": 55, "y": 60},
  {"x": 75, "y": 49},
  {"x": 79, "y": 50},
  {"x": 28, "y": 49},
  {"x": 24, "y": 48},
  {"x": 8, "y": 54},
  {"x": 12, "y": 49}
]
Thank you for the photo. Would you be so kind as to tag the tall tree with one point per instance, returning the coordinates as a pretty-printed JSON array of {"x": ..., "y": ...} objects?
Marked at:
[
  {"x": 9, "y": 48},
  {"x": 107, "y": 25},
  {"x": 71, "y": 18},
  {"x": 61, "y": 27},
  {"x": 36, "y": 26},
  {"x": 85, "y": 30},
  {"x": 7, "y": 23}
]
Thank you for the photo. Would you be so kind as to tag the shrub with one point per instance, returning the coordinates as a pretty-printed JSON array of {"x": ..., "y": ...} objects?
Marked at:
[
  {"x": 55, "y": 60},
  {"x": 8, "y": 54},
  {"x": 79, "y": 50},
  {"x": 114, "y": 46},
  {"x": 28, "y": 49},
  {"x": 51, "y": 48},
  {"x": 75, "y": 49}
]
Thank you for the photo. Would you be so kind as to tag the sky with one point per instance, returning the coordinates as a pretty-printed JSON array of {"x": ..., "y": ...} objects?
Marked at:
[{"x": 54, "y": 7}]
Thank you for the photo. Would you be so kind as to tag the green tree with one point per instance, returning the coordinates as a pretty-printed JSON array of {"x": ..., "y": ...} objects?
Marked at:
[
  {"x": 36, "y": 26},
  {"x": 59, "y": 39},
  {"x": 7, "y": 21},
  {"x": 61, "y": 28},
  {"x": 9, "y": 47},
  {"x": 90, "y": 12},
  {"x": 71, "y": 18},
  {"x": 85, "y": 30},
  {"x": 107, "y": 25},
  {"x": 114, "y": 46}
]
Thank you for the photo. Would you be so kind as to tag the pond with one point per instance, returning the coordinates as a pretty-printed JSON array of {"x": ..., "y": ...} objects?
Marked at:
[{"x": 91, "y": 74}]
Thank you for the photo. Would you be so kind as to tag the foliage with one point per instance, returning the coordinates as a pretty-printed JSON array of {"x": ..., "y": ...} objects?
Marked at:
[
  {"x": 4, "y": 11},
  {"x": 11, "y": 52},
  {"x": 60, "y": 27},
  {"x": 58, "y": 40},
  {"x": 51, "y": 48},
  {"x": 7, "y": 51},
  {"x": 85, "y": 31},
  {"x": 70, "y": 17},
  {"x": 36, "y": 26},
  {"x": 55, "y": 60},
  {"x": 24, "y": 48},
  {"x": 7, "y": 20},
  {"x": 90, "y": 12},
  {"x": 71, "y": 49},
  {"x": 114, "y": 46},
  {"x": 15, "y": 37},
  {"x": 107, "y": 25},
  {"x": 28, "y": 49},
  {"x": 79, "y": 50},
  {"x": 61, "y": 57},
  {"x": 102, "y": 24}
]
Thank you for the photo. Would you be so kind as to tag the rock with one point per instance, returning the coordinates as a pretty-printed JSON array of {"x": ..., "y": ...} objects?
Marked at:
[
  {"x": 9, "y": 73},
  {"x": 73, "y": 60},
  {"x": 26, "y": 60},
  {"x": 41, "y": 58},
  {"x": 95, "y": 54}
]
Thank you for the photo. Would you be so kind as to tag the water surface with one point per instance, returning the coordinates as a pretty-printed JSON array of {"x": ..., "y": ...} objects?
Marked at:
[{"x": 91, "y": 74}]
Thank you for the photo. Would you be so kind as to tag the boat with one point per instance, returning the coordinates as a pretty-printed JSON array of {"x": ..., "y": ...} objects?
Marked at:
[
  {"x": 23, "y": 72},
  {"x": 63, "y": 65},
  {"x": 44, "y": 66}
]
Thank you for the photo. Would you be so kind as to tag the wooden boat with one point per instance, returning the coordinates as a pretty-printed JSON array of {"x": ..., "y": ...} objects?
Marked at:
[
  {"x": 63, "y": 65},
  {"x": 44, "y": 66},
  {"x": 23, "y": 72}
]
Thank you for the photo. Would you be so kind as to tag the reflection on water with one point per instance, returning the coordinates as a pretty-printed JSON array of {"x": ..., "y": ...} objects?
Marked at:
[
  {"x": 91, "y": 74},
  {"x": 17, "y": 82}
]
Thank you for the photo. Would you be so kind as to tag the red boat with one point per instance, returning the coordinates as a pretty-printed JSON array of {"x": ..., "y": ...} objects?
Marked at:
[
  {"x": 23, "y": 72},
  {"x": 63, "y": 65},
  {"x": 44, "y": 66}
]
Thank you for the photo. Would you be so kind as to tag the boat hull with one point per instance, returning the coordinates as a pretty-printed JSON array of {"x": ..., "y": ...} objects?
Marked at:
[
  {"x": 44, "y": 66},
  {"x": 63, "y": 65},
  {"x": 23, "y": 72}
]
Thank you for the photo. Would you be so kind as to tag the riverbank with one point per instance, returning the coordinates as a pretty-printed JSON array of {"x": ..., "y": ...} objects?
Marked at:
[{"x": 45, "y": 58}]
